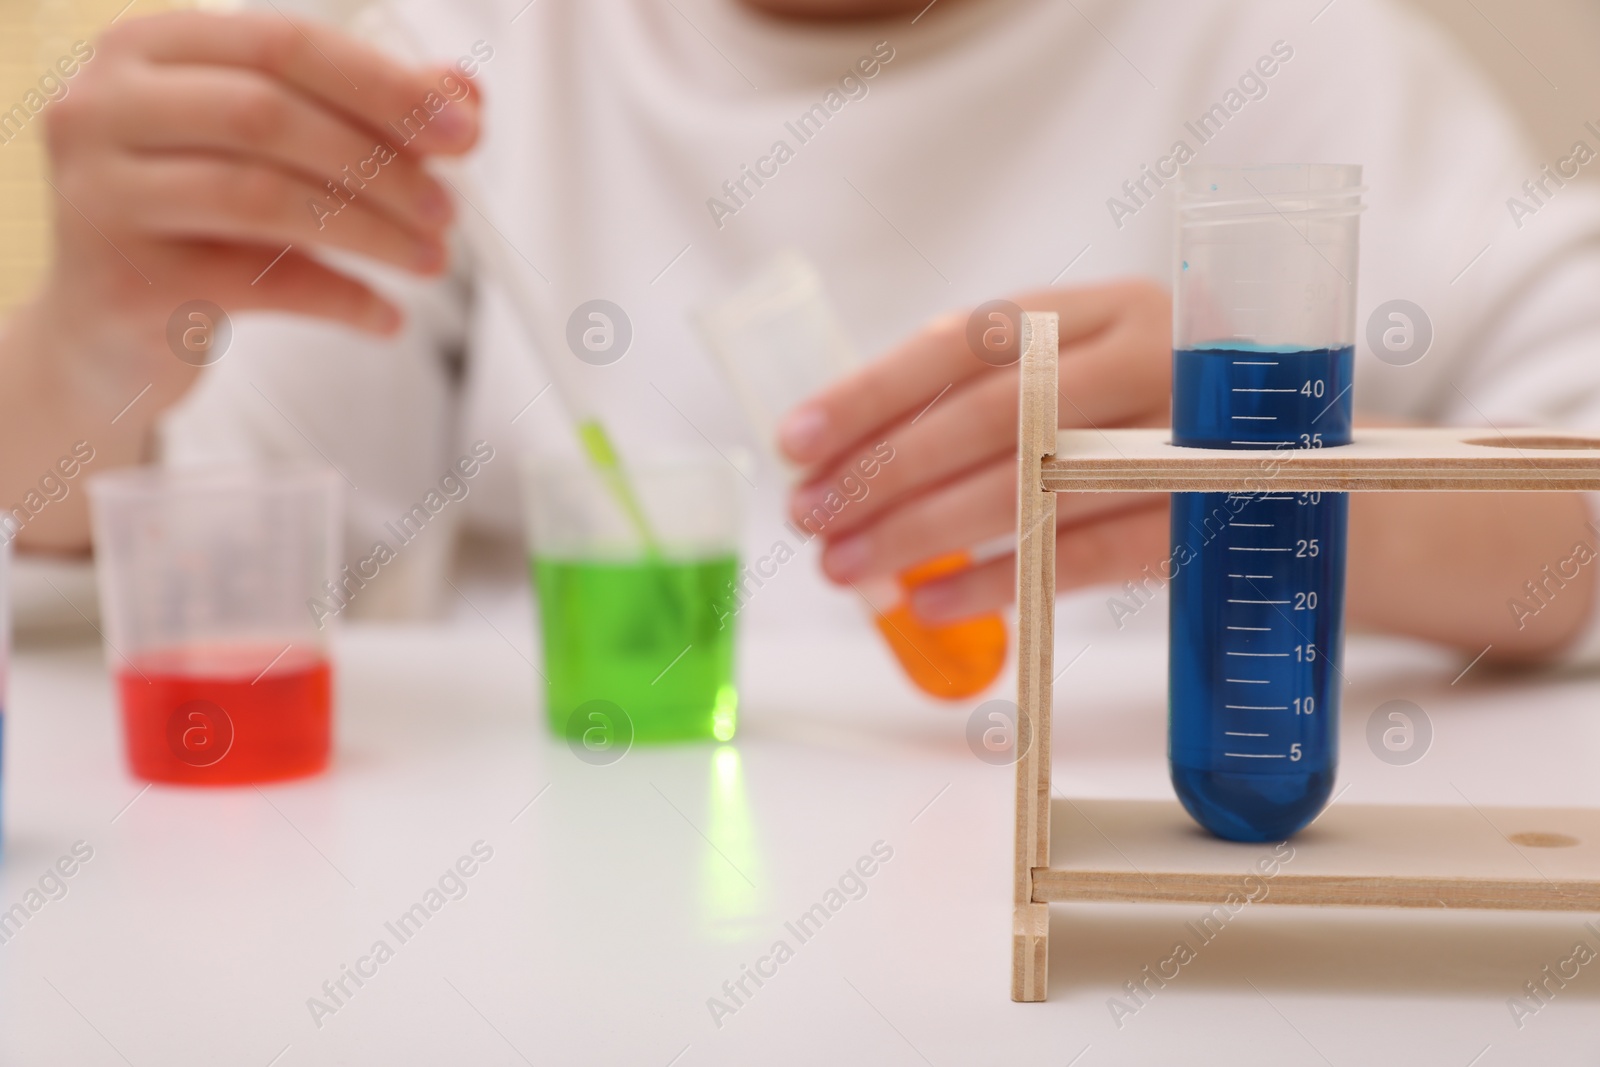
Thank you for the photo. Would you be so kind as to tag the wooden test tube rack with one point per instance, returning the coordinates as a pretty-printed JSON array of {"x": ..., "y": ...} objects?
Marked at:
[{"x": 1150, "y": 851}]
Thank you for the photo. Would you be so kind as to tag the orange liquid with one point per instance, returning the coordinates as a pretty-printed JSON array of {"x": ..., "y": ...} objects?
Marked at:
[
  {"x": 219, "y": 715},
  {"x": 952, "y": 661}
]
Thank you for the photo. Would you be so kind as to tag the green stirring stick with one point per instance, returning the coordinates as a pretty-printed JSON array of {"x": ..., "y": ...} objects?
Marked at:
[{"x": 597, "y": 446}]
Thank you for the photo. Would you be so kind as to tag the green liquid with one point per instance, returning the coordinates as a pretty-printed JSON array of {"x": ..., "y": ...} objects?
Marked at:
[{"x": 653, "y": 636}]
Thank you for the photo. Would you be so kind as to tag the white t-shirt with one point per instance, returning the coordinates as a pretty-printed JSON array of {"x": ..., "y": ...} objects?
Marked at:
[{"x": 987, "y": 153}]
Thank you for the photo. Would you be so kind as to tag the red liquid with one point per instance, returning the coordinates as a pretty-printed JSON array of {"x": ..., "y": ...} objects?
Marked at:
[{"x": 220, "y": 715}]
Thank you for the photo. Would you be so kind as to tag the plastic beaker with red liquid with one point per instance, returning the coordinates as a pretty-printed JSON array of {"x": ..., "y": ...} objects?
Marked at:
[
  {"x": 7, "y": 534},
  {"x": 215, "y": 587}
]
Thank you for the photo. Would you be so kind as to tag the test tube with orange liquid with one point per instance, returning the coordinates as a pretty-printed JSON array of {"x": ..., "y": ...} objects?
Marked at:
[
  {"x": 950, "y": 660},
  {"x": 779, "y": 342}
]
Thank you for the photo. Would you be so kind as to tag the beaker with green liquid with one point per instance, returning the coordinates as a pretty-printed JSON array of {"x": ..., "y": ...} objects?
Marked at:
[{"x": 637, "y": 617}]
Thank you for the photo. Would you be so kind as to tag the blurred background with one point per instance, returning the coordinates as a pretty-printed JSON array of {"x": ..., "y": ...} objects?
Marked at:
[{"x": 1540, "y": 55}]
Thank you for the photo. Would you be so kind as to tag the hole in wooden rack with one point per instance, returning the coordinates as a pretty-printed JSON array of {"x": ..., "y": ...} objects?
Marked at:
[
  {"x": 1535, "y": 441},
  {"x": 1538, "y": 839}
]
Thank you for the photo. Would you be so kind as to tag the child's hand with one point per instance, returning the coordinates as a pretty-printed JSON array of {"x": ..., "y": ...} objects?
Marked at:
[
  {"x": 191, "y": 150},
  {"x": 190, "y": 162},
  {"x": 951, "y": 419}
]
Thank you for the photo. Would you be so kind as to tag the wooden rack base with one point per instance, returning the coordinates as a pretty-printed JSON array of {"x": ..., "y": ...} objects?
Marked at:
[
  {"x": 1527, "y": 859},
  {"x": 1149, "y": 851}
]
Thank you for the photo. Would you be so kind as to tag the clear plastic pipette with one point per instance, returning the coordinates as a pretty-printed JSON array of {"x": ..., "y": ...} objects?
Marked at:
[{"x": 487, "y": 246}]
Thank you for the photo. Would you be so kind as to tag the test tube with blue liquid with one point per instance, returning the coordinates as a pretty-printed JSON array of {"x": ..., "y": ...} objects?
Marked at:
[{"x": 1263, "y": 348}]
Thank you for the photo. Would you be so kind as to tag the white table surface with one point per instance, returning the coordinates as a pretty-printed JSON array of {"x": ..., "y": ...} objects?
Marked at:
[{"x": 624, "y": 897}]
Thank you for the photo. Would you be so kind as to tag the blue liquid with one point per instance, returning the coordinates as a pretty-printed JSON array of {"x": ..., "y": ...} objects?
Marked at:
[{"x": 1257, "y": 620}]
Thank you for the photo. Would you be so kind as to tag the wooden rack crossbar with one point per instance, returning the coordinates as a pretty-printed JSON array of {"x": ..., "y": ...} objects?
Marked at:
[
  {"x": 1350, "y": 856},
  {"x": 1380, "y": 460},
  {"x": 1379, "y": 891}
]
